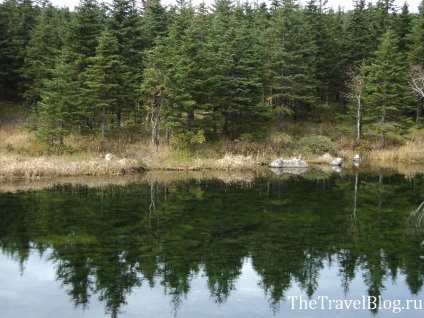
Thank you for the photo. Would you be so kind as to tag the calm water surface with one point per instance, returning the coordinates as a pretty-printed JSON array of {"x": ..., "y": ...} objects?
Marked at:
[{"x": 318, "y": 244}]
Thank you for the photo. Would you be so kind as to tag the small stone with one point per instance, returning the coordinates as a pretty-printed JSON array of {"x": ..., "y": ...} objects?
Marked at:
[{"x": 336, "y": 162}]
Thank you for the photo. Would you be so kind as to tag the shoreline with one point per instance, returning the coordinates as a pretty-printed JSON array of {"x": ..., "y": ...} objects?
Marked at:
[{"x": 25, "y": 174}]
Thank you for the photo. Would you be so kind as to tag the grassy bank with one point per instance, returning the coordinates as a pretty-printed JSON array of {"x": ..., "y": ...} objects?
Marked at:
[{"x": 22, "y": 156}]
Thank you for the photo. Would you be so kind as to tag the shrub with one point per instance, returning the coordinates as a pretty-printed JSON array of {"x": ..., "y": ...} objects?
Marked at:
[{"x": 317, "y": 145}]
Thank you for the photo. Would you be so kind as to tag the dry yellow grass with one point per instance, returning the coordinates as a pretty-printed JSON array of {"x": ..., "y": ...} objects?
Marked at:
[
  {"x": 30, "y": 168},
  {"x": 410, "y": 152},
  {"x": 16, "y": 140},
  {"x": 22, "y": 157}
]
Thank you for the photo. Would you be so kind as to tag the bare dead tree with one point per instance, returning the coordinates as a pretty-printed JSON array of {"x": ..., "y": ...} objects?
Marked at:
[
  {"x": 416, "y": 83},
  {"x": 357, "y": 87}
]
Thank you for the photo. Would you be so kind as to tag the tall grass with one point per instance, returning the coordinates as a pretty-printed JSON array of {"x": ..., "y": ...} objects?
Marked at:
[
  {"x": 53, "y": 166},
  {"x": 21, "y": 156}
]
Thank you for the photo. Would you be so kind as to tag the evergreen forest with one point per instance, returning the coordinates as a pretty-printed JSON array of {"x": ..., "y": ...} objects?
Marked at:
[{"x": 194, "y": 74}]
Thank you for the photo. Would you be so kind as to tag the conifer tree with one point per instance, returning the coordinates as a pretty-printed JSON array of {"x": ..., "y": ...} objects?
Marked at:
[
  {"x": 235, "y": 78},
  {"x": 104, "y": 79},
  {"x": 42, "y": 48},
  {"x": 386, "y": 100},
  {"x": 17, "y": 21},
  {"x": 56, "y": 110},
  {"x": 153, "y": 91},
  {"x": 291, "y": 68},
  {"x": 359, "y": 39},
  {"x": 155, "y": 21},
  {"x": 126, "y": 25}
]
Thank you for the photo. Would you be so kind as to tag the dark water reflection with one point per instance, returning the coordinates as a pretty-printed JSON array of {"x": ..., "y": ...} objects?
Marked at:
[{"x": 297, "y": 245}]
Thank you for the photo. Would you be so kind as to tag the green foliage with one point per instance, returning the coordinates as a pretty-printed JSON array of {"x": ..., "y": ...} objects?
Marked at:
[
  {"x": 317, "y": 145},
  {"x": 184, "y": 139},
  {"x": 387, "y": 101},
  {"x": 56, "y": 109},
  {"x": 235, "y": 70}
]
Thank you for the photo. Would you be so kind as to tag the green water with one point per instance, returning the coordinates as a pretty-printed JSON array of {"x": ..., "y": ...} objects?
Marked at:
[{"x": 348, "y": 245}]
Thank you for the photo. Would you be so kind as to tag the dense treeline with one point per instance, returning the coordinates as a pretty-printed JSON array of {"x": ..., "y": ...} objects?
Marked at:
[{"x": 200, "y": 72}]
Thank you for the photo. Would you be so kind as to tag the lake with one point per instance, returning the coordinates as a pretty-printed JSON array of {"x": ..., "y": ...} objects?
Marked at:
[{"x": 173, "y": 244}]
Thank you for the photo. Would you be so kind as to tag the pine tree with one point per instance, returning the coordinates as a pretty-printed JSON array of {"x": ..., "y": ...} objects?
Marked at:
[
  {"x": 291, "y": 67},
  {"x": 153, "y": 91},
  {"x": 386, "y": 100},
  {"x": 126, "y": 25},
  {"x": 402, "y": 25},
  {"x": 359, "y": 39},
  {"x": 155, "y": 21},
  {"x": 186, "y": 69},
  {"x": 416, "y": 38},
  {"x": 235, "y": 79},
  {"x": 104, "y": 79},
  {"x": 83, "y": 31},
  {"x": 56, "y": 110},
  {"x": 42, "y": 48},
  {"x": 17, "y": 21}
]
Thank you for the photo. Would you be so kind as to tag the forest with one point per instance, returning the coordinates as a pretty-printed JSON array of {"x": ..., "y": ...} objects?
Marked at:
[{"x": 195, "y": 74}]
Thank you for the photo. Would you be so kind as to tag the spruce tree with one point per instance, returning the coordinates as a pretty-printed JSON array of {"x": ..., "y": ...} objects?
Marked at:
[
  {"x": 153, "y": 91},
  {"x": 104, "y": 79},
  {"x": 235, "y": 78},
  {"x": 126, "y": 25},
  {"x": 416, "y": 38},
  {"x": 386, "y": 100},
  {"x": 291, "y": 66},
  {"x": 57, "y": 109},
  {"x": 18, "y": 18},
  {"x": 42, "y": 49}
]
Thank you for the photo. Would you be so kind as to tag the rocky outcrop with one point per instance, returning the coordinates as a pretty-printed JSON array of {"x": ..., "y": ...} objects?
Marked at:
[{"x": 291, "y": 163}]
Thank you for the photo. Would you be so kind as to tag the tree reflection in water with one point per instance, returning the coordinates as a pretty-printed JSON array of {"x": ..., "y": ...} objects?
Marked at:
[{"x": 107, "y": 241}]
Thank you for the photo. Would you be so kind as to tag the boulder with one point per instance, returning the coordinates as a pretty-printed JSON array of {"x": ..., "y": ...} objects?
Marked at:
[
  {"x": 336, "y": 162},
  {"x": 357, "y": 160},
  {"x": 292, "y": 163},
  {"x": 110, "y": 157}
]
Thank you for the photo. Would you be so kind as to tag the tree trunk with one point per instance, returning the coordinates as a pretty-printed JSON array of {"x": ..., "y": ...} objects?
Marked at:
[
  {"x": 383, "y": 141},
  {"x": 359, "y": 120},
  {"x": 118, "y": 119},
  {"x": 419, "y": 111},
  {"x": 103, "y": 123},
  {"x": 281, "y": 120},
  {"x": 190, "y": 117},
  {"x": 155, "y": 120}
]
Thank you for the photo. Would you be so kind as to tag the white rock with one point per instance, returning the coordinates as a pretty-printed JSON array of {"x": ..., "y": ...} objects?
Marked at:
[
  {"x": 336, "y": 162},
  {"x": 110, "y": 157},
  {"x": 292, "y": 163}
]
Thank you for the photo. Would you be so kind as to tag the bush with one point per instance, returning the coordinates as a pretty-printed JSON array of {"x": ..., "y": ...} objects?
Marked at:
[{"x": 317, "y": 145}]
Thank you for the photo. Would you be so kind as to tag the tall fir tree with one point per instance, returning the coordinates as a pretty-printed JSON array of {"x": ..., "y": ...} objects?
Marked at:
[
  {"x": 18, "y": 18},
  {"x": 387, "y": 103},
  {"x": 125, "y": 24},
  {"x": 416, "y": 38},
  {"x": 291, "y": 67},
  {"x": 57, "y": 109},
  {"x": 235, "y": 78},
  {"x": 42, "y": 49},
  {"x": 104, "y": 79}
]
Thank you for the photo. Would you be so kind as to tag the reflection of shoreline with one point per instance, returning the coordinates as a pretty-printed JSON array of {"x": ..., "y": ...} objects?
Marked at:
[
  {"x": 161, "y": 177},
  {"x": 317, "y": 171}
]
